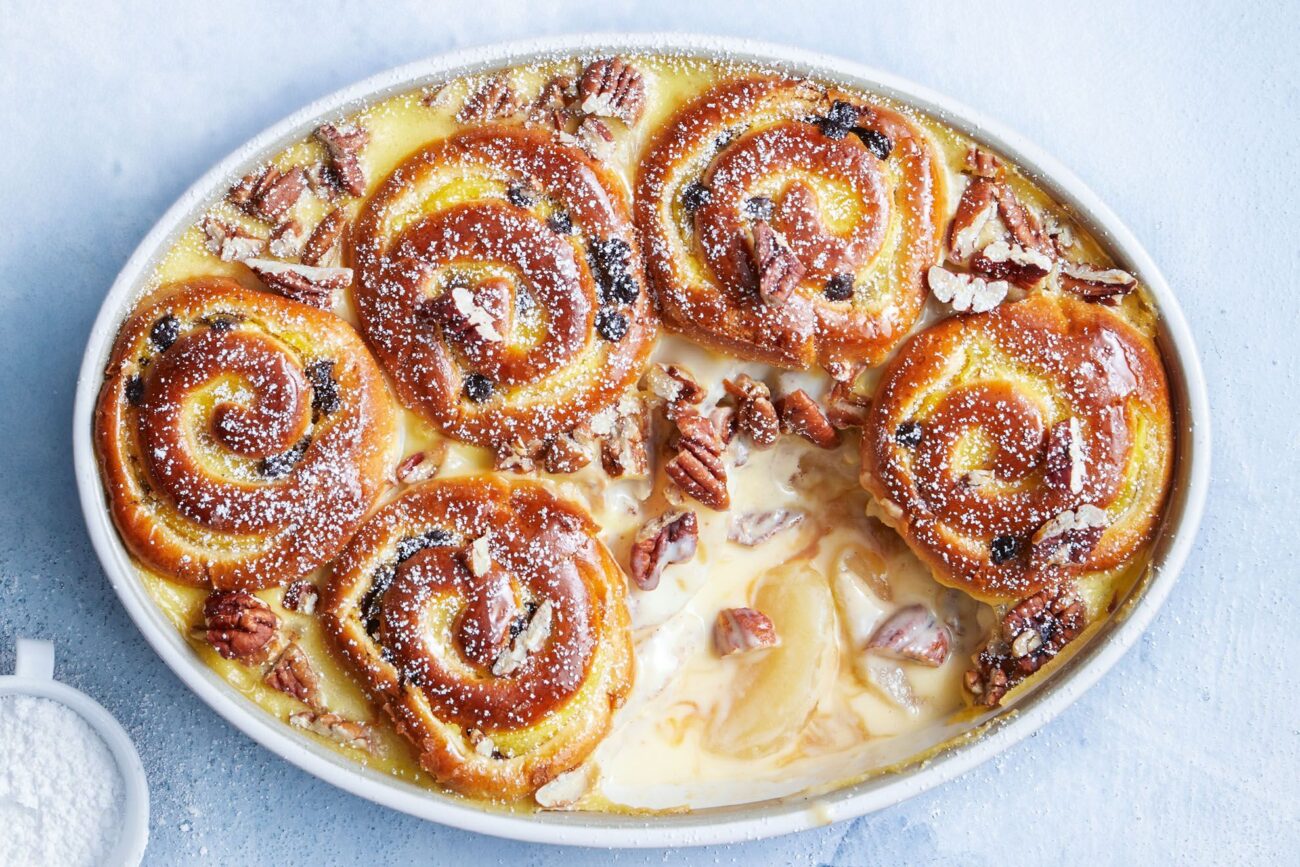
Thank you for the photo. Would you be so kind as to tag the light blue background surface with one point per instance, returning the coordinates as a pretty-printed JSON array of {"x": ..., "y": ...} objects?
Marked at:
[{"x": 1181, "y": 117}]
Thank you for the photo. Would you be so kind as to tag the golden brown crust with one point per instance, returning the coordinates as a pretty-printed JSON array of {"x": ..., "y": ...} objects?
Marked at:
[
  {"x": 500, "y": 284},
  {"x": 761, "y": 154},
  {"x": 959, "y": 444},
  {"x": 436, "y": 604},
  {"x": 241, "y": 436}
]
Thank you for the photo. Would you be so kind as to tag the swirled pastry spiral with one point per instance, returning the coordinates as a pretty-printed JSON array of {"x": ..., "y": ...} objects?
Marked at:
[
  {"x": 241, "y": 436},
  {"x": 488, "y": 620},
  {"x": 994, "y": 435},
  {"x": 501, "y": 286},
  {"x": 766, "y": 184}
]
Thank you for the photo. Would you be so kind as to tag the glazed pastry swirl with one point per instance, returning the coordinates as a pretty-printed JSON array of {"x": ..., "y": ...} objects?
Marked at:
[
  {"x": 969, "y": 441},
  {"x": 501, "y": 286},
  {"x": 849, "y": 188},
  {"x": 241, "y": 436},
  {"x": 489, "y": 622}
]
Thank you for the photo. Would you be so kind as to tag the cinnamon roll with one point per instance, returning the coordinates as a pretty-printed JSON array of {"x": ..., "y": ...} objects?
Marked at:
[
  {"x": 790, "y": 225},
  {"x": 1014, "y": 447},
  {"x": 500, "y": 285},
  {"x": 488, "y": 620},
  {"x": 241, "y": 436}
]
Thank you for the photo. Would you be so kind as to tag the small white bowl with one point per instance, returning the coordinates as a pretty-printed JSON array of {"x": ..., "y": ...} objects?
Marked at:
[
  {"x": 34, "y": 676},
  {"x": 717, "y": 825}
]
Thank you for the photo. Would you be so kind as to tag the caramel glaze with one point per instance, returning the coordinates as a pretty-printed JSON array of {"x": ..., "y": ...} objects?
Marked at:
[
  {"x": 762, "y": 133},
  {"x": 1008, "y": 376},
  {"x": 530, "y": 247},
  {"x": 424, "y": 629},
  {"x": 226, "y": 465}
]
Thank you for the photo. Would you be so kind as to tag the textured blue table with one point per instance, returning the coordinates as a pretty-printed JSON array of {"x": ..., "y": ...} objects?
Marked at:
[{"x": 1182, "y": 119}]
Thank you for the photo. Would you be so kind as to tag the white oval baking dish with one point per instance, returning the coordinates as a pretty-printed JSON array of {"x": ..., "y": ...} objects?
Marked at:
[{"x": 701, "y": 827}]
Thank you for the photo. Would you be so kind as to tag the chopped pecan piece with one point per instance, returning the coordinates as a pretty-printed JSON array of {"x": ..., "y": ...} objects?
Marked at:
[
  {"x": 529, "y": 640},
  {"x": 1030, "y": 635},
  {"x": 240, "y": 626},
  {"x": 755, "y": 528},
  {"x": 975, "y": 209},
  {"x": 966, "y": 293},
  {"x": 595, "y": 137},
  {"x": 303, "y": 283},
  {"x": 300, "y": 596},
  {"x": 845, "y": 408},
  {"x": 741, "y": 630},
  {"x": 670, "y": 538},
  {"x": 801, "y": 415},
  {"x": 293, "y": 675},
  {"x": 1064, "y": 463},
  {"x": 1023, "y": 266},
  {"x": 675, "y": 386},
  {"x": 1069, "y": 537},
  {"x": 566, "y": 452},
  {"x": 1095, "y": 284},
  {"x": 286, "y": 239},
  {"x": 269, "y": 194},
  {"x": 622, "y": 431},
  {"x": 697, "y": 466},
  {"x": 343, "y": 144},
  {"x": 494, "y": 99},
  {"x": 551, "y": 107},
  {"x": 349, "y": 733},
  {"x": 725, "y": 420},
  {"x": 230, "y": 242},
  {"x": 612, "y": 87},
  {"x": 915, "y": 634},
  {"x": 1021, "y": 222},
  {"x": 517, "y": 456},
  {"x": 325, "y": 237},
  {"x": 779, "y": 270},
  {"x": 756, "y": 415},
  {"x": 419, "y": 466}
]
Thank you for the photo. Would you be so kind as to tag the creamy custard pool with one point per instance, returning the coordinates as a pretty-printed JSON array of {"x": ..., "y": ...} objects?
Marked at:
[{"x": 697, "y": 730}]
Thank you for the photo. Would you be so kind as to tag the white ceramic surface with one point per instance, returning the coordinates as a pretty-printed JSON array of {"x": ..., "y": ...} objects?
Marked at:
[
  {"x": 34, "y": 676},
  {"x": 707, "y": 826}
]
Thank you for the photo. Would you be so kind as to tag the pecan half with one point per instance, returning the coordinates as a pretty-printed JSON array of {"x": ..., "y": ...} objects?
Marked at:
[
  {"x": 494, "y": 99},
  {"x": 230, "y": 242},
  {"x": 670, "y": 538},
  {"x": 1031, "y": 633},
  {"x": 349, "y": 733},
  {"x": 675, "y": 386},
  {"x": 566, "y": 452},
  {"x": 306, "y": 284},
  {"x": 240, "y": 626},
  {"x": 286, "y": 239},
  {"x": 912, "y": 633},
  {"x": 343, "y": 144},
  {"x": 779, "y": 270},
  {"x": 1064, "y": 462},
  {"x": 755, "y": 528},
  {"x": 697, "y": 466},
  {"x": 964, "y": 292},
  {"x": 269, "y": 194},
  {"x": 741, "y": 630},
  {"x": 756, "y": 415},
  {"x": 612, "y": 87},
  {"x": 325, "y": 238},
  {"x": 801, "y": 415},
  {"x": 1095, "y": 284},
  {"x": 300, "y": 596},
  {"x": 845, "y": 408},
  {"x": 975, "y": 209},
  {"x": 293, "y": 675},
  {"x": 1069, "y": 537},
  {"x": 1023, "y": 266}
]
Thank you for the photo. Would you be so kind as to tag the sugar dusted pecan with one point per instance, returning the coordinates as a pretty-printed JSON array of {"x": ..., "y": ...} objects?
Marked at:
[
  {"x": 325, "y": 238},
  {"x": 422, "y": 465},
  {"x": 1030, "y": 635},
  {"x": 801, "y": 415},
  {"x": 675, "y": 386},
  {"x": 566, "y": 452},
  {"x": 779, "y": 270},
  {"x": 756, "y": 415},
  {"x": 1096, "y": 284},
  {"x": 229, "y": 241},
  {"x": 286, "y": 239},
  {"x": 306, "y": 284},
  {"x": 975, "y": 210},
  {"x": 293, "y": 675},
  {"x": 623, "y": 431},
  {"x": 494, "y": 99},
  {"x": 552, "y": 107},
  {"x": 1064, "y": 461},
  {"x": 270, "y": 193},
  {"x": 742, "y": 630},
  {"x": 670, "y": 538},
  {"x": 240, "y": 626},
  {"x": 697, "y": 466},
  {"x": 300, "y": 596},
  {"x": 845, "y": 408},
  {"x": 1069, "y": 537},
  {"x": 595, "y": 137},
  {"x": 349, "y": 733},
  {"x": 343, "y": 144},
  {"x": 529, "y": 640},
  {"x": 1023, "y": 266},
  {"x": 964, "y": 292},
  {"x": 517, "y": 456},
  {"x": 912, "y": 633},
  {"x": 612, "y": 87}
]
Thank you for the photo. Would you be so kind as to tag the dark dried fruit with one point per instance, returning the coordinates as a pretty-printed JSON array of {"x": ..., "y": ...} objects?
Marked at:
[
  {"x": 838, "y": 120},
  {"x": 521, "y": 195},
  {"x": 758, "y": 208},
  {"x": 1003, "y": 548},
  {"x": 877, "y": 142},
  {"x": 412, "y": 545},
  {"x": 134, "y": 390},
  {"x": 611, "y": 325},
  {"x": 325, "y": 389},
  {"x": 478, "y": 387},
  {"x": 908, "y": 434},
  {"x": 560, "y": 223},
  {"x": 164, "y": 332},
  {"x": 695, "y": 196},
  {"x": 840, "y": 287},
  {"x": 221, "y": 323},
  {"x": 279, "y": 466}
]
